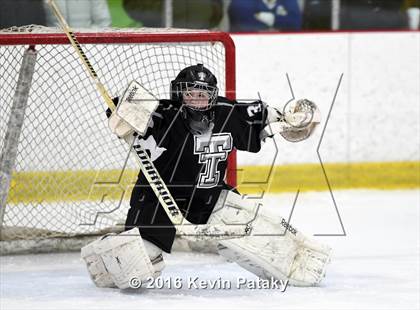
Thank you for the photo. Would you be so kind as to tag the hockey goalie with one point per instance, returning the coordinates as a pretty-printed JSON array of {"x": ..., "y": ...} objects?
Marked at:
[{"x": 189, "y": 137}]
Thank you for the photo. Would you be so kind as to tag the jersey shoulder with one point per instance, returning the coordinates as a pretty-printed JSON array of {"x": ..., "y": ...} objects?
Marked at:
[{"x": 224, "y": 102}]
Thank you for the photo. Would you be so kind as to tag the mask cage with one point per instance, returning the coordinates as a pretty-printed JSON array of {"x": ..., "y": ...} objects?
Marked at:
[{"x": 212, "y": 92}]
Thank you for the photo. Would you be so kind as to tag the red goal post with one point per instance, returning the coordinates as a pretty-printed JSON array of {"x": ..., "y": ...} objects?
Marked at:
[{"x": 66, "y": 158}]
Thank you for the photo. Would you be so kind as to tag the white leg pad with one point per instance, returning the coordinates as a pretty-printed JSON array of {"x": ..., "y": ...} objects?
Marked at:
[
  {"x": 127, "y": 256},
  {"x": 274, "y": 248},
  {"x": 96, "y": 268}
]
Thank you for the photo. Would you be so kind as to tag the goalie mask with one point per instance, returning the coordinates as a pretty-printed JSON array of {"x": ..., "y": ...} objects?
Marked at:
[{"x": 195, "y": 89}]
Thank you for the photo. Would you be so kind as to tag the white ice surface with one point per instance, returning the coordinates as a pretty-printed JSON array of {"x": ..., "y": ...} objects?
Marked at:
[{"x": 375, "y": 266}]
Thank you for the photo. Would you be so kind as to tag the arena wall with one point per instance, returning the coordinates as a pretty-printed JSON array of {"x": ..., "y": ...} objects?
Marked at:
[{"x": 371, "y": 136}]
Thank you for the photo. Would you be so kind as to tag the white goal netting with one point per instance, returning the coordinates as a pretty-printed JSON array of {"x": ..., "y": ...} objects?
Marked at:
[{"x": 71, "y": 177}]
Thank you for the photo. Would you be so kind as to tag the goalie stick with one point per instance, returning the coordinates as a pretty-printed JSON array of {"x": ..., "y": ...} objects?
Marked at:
[{"x": 182, "y": 225}]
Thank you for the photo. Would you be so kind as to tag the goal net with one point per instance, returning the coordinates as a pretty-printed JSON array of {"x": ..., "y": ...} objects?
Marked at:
[{"x": 64, "y": 176}]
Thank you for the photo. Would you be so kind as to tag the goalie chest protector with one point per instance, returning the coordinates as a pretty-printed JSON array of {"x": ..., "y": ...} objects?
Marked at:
[{"x": 192, "y": 166}]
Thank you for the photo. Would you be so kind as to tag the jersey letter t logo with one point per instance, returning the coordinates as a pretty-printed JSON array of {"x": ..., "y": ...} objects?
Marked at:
[{"x": 211, "y": 150}]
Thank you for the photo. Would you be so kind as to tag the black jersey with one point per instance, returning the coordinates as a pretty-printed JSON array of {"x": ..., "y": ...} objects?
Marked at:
[{"x": 192, "y": 166}]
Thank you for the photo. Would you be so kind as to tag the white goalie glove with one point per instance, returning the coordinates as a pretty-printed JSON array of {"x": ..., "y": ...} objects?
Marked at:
[
  {"x": 134, "y": 111},
  {"x": 122, "y": 260},
  {"x": 274, "y": 249},
  {"x": 296, "y": 123}
]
